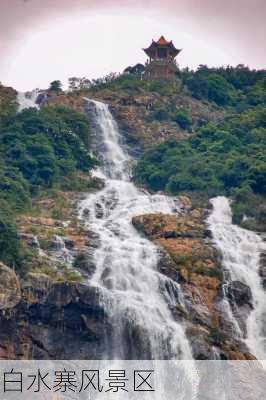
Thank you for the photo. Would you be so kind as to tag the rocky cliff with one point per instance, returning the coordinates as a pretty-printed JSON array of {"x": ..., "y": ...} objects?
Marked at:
[
  {"x": 53, "y": 314},
  {"x": 135, "y": 112},
  {"x": 43, "y": 319},
  {"x": 189, "y": 258}
]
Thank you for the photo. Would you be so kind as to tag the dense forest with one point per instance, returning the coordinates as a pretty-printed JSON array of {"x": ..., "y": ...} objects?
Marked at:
[{"x": 39, "y": 149}]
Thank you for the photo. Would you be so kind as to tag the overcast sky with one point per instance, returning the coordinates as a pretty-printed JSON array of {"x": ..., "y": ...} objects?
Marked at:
[{"x": 43, "y": 40}]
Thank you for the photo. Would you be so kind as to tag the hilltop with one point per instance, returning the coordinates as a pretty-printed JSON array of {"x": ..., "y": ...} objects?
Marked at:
[{"x": 202, "y": 134}]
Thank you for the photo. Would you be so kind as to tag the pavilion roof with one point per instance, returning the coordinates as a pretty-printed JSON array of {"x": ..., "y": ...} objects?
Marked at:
[{"x": 161, "y": 42}]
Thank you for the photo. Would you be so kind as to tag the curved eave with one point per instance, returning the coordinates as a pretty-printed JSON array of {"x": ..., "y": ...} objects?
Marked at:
[
  {"x": 150, "y": 51},
  {"x": 178, "y": 51}
]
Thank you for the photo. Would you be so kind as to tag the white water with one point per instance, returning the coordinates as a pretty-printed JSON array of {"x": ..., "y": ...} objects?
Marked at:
[
  {"x": 135, "y": 295},
  {"x": 60, "y": 252},
  {"x": 241, "y": 251},
  {"x": 28, "y": 99}
]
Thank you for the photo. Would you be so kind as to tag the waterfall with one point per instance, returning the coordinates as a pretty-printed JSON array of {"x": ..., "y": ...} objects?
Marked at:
[
  {"x": 60, "y": 252},
  {"x": 28, "y": 99},
  {"x": 134, "y": 294},
  {"x": 241, "y": 250},
  {"x": 126, "y": 262}
]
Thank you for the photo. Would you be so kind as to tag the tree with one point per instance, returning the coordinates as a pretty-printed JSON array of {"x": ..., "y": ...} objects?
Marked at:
[
  {"x": 75, "y": 83},
  {"x": 56, "y": 86}
]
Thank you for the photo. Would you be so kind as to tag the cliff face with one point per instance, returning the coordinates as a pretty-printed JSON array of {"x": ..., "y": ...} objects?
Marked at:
[
  {"x": 189, "y": 258},
  {"x": 53, "y": 317},
  {"x": 42, "y": 319},
  {"x": 135, "y": 112}
]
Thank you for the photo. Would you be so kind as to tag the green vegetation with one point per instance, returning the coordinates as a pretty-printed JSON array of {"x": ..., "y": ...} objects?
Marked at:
[
  {"x": 227, "y": 157},
  {"x": 38, "y": 151},
  {"x": 240, "y": 86},
  {"x": 229, "y": 86},
  {"x": 9, "y": 241},
  {"x": 56, "y": 86},
  {"x": 8, "y": 103},
  {"x": 183, "y": 119}
]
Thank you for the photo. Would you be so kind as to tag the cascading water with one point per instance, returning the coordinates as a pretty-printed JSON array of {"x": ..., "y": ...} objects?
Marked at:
[
  {"x": 60, "y": 252},
  {"x": 28, "y": 99},
  {"x": 241, "y": 251},
  {"x": 135, "y": 295}
]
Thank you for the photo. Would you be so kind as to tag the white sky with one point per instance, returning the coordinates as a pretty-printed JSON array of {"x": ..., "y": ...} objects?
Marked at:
[{"x": 94, "y": 44}]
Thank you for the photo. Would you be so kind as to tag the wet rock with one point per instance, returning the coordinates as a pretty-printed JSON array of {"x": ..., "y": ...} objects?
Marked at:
[
  {"x": 200, "y": 345},
  {"x": 86, "y": 212},
  {"x": 89, "y": 295},
  {"x": 10, "y": 292},
  {"x": 240, "y": 294},
  {"x": 207, "y": 233},
  {"x": 262, "y": 270},
  {"x": 98, "y": 210},
  {"x": 196, "y": 306},
  {"x": 94, "y": 239},
  {"x": 69, "y": 243},
  {"x": 166, "y": 265},
  {"x": 84, "y": 261}
]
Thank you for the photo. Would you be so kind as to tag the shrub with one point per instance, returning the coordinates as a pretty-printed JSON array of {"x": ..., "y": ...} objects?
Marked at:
[{"x": 183, "y": 119}]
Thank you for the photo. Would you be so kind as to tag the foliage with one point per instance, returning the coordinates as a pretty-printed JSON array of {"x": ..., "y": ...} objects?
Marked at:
[
  {"x": 56, "y": 86},
  {"x": 75, "y": 83},
  {"x": 137, "y": 69},
  {"x": 212, "y": 87},
  {"x": 183, "y": 119},
  {"x": 224, "y": 158},
  {"x": 39, "y": 149},
  {"x": 238, "y": 87},
  {"x": 226, "y": 86},
  {"x": 8, "y": 103},
  {"x": 9, "y": 241}
]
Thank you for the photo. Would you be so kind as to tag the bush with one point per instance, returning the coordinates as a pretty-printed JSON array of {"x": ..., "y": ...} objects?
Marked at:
[
  {"x": 160, "y": 114},
  {"x": 183, "y": 119}
]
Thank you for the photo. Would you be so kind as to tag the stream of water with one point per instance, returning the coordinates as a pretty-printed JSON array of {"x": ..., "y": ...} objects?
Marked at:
[
  {"x": 241, "y": 250},
  {"x": 135, "y": 295},
  {"x": 28, "y": 99},
  {"x": 134, "y": 291}
]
